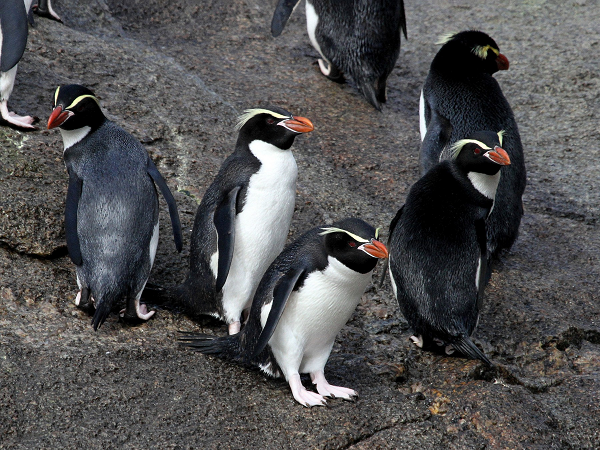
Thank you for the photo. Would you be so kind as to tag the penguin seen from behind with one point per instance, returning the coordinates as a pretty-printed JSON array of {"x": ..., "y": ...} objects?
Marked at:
[
  {"x": 438, "y": 246},
  {"x": 360, "y": 38},
  {"x": 111, "y": 213},
  {"x": 302, "y": 302}
]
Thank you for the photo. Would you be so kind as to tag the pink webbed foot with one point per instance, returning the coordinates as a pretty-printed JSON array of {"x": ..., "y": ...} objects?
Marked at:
[
  {"x": 234, "y": 327},
  {"x": 303, "y": 396},
  {"x": 136, "y": 309},
  {"x": 418, "y": 341},
  {"x": 328, "y": 390}
]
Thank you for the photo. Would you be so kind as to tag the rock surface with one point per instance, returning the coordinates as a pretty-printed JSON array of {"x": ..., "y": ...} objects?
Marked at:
[{"x": 177, "y": 74}]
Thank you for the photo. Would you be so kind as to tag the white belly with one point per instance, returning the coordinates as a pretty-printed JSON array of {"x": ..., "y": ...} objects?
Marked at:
[
  {"x": 262, "y": 227},
  {"x": 314, "y": 316}
]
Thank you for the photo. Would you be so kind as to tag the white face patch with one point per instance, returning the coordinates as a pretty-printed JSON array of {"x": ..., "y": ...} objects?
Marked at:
[
  {"x": 72, "y": 137},
  {"x": 485, "y": 184}
]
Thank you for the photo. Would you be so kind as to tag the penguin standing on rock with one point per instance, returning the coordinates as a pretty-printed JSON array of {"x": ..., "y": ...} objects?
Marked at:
[
  {"x": 13, "y": 40},
  {"x": 111, "y": 214},
  {"x": 360, "y": 38},
  {"x": 243, "y": 220},
  {"x": 438, "y": 246},
  {"x": 460, "y": 97},
  {"x": 302, "y": 302}
]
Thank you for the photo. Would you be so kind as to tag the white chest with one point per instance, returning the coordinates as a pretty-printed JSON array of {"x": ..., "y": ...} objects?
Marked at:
[
  {"x": 72, "y": 137},
  {"x": 485, "y": 184}
]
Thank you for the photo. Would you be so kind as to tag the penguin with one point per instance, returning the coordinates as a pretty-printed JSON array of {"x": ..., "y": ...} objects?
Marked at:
[
  {"x": 438, "y": 246},
  {"x": 360, "y": 38},
  {"x": 13, "y": 39},
  {"x": 460, "y": 96},
  {"x": 243, "y": 220},
  {"x": 302, "y": 302},
  {"x": 111, "y": 213}
]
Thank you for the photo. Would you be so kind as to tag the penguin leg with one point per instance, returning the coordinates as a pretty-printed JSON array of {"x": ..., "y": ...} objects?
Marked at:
[
  {"x": 328, "y": 390},
  {"x": 303, "y": 396},
  {"x": 418, "y": 341},
  {"x": 44, "y": 9},
  {"x": 135, "y": 309},
  {"x": 234, "y": 327},
  {"x": 14, "y": 119},
  {"x": 331, "y": 71},
  {"x": 85, "y": 301}
]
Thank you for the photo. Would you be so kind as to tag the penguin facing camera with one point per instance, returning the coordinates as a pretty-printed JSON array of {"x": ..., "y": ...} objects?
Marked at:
[
  {"x": 438, "y": 261},
  {"x": 13, "y": 40},
  {"x": 111, "y": 213},
  {"x": 302, "y": 302},
  {"x": 460, "y": 96},
  {"x": 243, "y": 220},
  {"x": 360, "y": 38}
]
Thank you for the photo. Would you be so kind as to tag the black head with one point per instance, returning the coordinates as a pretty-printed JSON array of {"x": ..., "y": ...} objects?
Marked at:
[
  {"x": 273, "y": 125},
  {"x": 75, "y": 107},
  {"x": 354, "y": 243},
  {"x": 481, "y": 152},
  {"x": 470, "y": 52}
]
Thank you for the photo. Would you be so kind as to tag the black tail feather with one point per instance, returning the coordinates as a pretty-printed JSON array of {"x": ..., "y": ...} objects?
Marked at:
[
  {"x": 226, "y": 347},
  {"x": 464, "y": 345},
  {"x": 103, "y": 308}
]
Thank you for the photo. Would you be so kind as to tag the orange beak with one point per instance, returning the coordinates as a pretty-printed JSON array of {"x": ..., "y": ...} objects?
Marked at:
[
  {"x": 58, "y": 117},
  {"x": 375, "y": 248},
  {"x": 502, "y": 62},
  {"x": 298, "y": 124},
  {"x": 499, "y": 156}
]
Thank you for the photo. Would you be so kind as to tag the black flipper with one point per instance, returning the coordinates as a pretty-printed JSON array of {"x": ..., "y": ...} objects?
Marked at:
[
  {"x": 281, "y": 293},
  {"x": 464, "y": 345},
  {"x": 403, "y": 19},
  {"x": 282, "y": 13},
  {"x": 13, "y": 21},
  {"x": 484, "y": 276},
  {"x": 393, "y": 224},
  {"x": 224, "y": 221},
  {"x": 437, "y": 138},
  {"x": 166, "y": 192},
  {"x": 71, "y": 206}
]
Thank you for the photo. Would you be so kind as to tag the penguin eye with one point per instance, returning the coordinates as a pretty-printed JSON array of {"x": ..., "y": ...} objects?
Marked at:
[
  {"x": 352, "y": 244},
  {"x": 270, "y": 121},
  {"x": 80, "y": 107},
  {"x": 477, "y": 151}
]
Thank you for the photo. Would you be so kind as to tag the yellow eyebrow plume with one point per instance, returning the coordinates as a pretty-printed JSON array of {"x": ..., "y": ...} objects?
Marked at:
[
  {"x": 330, "y": 230},
  {"x": 250, "y": 113}
]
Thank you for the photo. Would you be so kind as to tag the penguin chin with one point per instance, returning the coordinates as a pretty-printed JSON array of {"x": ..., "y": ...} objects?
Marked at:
[{"x": 72, "y": 137}]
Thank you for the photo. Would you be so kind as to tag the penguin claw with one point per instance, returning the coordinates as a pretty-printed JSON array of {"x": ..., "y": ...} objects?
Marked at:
[
  {"x": 327, "y": 390},
  {"x": 303, "y": 396}
]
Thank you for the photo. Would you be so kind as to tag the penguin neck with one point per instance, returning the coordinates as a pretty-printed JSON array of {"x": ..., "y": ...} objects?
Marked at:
[
  {"x": 486, "y": 185},
  {"x": 72, "y": 137},
  {"x": 268, "y": 153}
]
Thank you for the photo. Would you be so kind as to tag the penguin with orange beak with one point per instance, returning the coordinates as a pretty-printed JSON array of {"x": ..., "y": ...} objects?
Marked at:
[
  {"x": 302, "y": 302},
  {"x": 243, "y": 220},
  {"x": 439, "y": 258}
]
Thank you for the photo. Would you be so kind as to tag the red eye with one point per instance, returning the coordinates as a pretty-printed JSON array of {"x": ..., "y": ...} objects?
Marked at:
[
  {"x": 352, "y": 244},
  {"x": 477, "y": 150},
  {"x": 270, "y": 121}
]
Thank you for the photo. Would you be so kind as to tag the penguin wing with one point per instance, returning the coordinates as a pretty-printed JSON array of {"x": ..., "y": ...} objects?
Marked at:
[
  {"x": 71, "y": 206},
  {"x": 282, "y": 13},
  {"x": 13, "y": 22},
  {"x": 403, "y": 19},
  {"x": 393, "y": 224},
  {"x": 166, "y": 192},
  {"x": 281, "y": 293},
  {"x": 224, "y": 220},
  {"x": 481, "y": 231},
  {"x": 436, "y": 139}
]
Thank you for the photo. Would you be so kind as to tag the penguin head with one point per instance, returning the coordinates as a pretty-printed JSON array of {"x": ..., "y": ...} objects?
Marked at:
[
  {"x": 470, "y": 51},
  {"x": 75, "y": 107},
  {"x": 273, "y": 125},
  {"x": 481, "y": 152},
  {"x": 354, "y": 243}
]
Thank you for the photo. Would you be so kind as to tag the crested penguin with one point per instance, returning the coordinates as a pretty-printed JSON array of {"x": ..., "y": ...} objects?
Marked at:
[
  {"x": 13, "y": 39},
  {"x": 244, "y": 218},
  {"x": 111, "y": 213},
  {"x": 438, "y": 246},
  {"x": 461, "y": 96},
  {"x": 303, "y": 300},
  {"x": 360, "y": 38}
]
